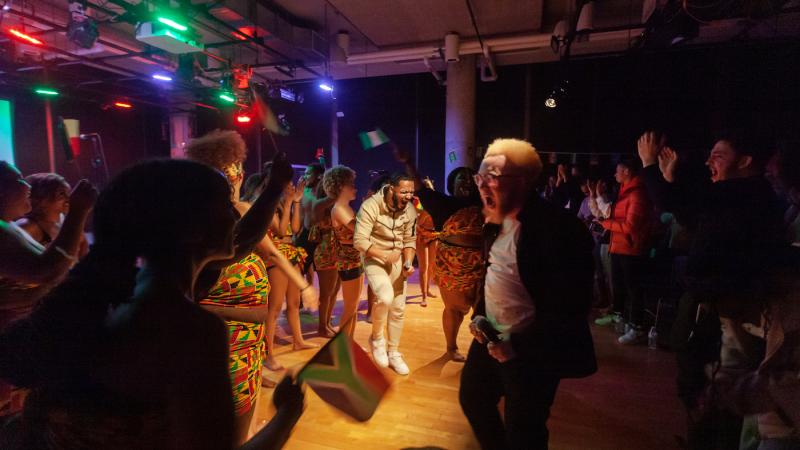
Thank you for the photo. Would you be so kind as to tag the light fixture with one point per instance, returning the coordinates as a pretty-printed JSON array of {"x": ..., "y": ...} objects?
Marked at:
[
  {"x": 557, "y": 96},
  {"x": 46, "y": 91},
  {"x": 326, "y": 85},
  {"x": 171, "y": 23},
  {"x": 25, "y": 37},
  {"x": 243, "y": 118},
  {"x": 161, "y": 77},
  {"x": 123, "y": 105},
  {"x": 228, "y": 97},
  {"x": 81, "y": 29}
]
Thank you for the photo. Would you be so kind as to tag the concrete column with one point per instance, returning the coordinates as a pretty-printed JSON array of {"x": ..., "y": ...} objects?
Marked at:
[
  {"x": 180, "y": 132},
  {"x": 334, "y": 133},
  {"x": 459, "y": 140}
]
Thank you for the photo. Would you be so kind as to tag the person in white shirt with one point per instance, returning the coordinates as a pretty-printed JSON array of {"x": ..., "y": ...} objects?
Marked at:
[{"x": 537, "y": 296}]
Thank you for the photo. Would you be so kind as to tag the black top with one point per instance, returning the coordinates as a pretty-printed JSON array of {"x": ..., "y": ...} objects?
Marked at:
[
  {"x": 441, "y": 206},
  {"x": 736, "y": 224}
]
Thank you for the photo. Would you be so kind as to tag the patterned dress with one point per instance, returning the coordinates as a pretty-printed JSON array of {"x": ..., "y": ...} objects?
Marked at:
[
  {"x": 295, "y": 255},
  {"x": 459, "y": 268},
  {"x": 348, "y": 257},
  {"x": 425, "y": 228},
  {"x": 327, "y": 251},
  {"x": 243, "y": 285}
]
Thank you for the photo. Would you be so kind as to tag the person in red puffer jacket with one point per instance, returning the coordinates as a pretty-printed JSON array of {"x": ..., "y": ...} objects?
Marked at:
[{"x": 631, "y": 222}]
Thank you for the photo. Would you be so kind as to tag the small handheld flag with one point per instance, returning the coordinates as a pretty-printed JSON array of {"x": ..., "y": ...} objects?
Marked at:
[
  {"x": 70, "y": 136},
  {"x": 267, "y": 116},
  {"x": 344, "y": 376},
  {"x": 372, "y": 139}
]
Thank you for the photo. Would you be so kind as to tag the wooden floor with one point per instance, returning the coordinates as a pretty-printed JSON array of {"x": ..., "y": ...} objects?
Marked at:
[{"x": 629, "y": 404}]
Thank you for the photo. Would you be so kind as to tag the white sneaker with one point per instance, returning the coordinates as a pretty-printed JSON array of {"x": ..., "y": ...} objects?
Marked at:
[
  {"x": 632, "y": 337},
  {"x": 378, "y": 347},
  {"x": 396, "y": 362}
]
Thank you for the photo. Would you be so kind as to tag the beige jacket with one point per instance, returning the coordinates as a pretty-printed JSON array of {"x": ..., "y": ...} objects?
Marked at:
[{"x": 377, "y": 224}]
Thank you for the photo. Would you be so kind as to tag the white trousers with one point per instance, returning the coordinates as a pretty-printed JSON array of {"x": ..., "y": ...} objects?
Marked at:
[{"x": 389, "y": 285}]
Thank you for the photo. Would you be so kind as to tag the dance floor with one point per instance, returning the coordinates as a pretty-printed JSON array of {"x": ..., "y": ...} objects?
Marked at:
[{"x": 629, "y": 403}]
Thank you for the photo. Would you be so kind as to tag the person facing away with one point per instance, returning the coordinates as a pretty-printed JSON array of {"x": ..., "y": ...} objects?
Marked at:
[{"x": 536, "y": 298}]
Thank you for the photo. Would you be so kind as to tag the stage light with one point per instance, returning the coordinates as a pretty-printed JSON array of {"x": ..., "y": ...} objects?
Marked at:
[
  {"x": 123, "y": 105},
  {"x": 228, "y": 97},
  {"x": 550, "y": 102},
  {"x": 243, "y": 118},
  {"x": 81, "y": 29},
  {"x": 27, "y": 38},
  {"x": 326, "y": 86},
  {"x": 558, "y": 95},
  {"x": 173, "y": 24},
  {"x": 46, "y": 91},
  {"x": 7, "y": 7},
  {"x": 162, "y": 77}
]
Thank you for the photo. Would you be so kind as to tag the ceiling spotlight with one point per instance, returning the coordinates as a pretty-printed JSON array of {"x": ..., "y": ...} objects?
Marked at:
[
  {"x": 123, "y": 105},
  {"x": 243, "y": 118},
  {"x": 557, "y": 96},
  {"x": 171, "y": 23},
  {"x": 162, "y": 77},
  {"x": 46, "y": 91},
  {"x": 326, "y": 86},
  {"x": 81, "y": 29}
]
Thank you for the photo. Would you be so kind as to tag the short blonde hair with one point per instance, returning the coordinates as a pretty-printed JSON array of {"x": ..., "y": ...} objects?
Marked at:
[
  {"x": 223, "y": 150},
  {"x": 335, "y": 178},
  {"x": 522, "y": 157}
]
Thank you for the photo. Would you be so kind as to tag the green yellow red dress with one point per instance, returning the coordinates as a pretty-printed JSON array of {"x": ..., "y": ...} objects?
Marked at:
[
  {"x": 348, "y": 258},
  {"x": 459, "y": 268},
  {"x": 243, "y": 285},
  {"x": 295, "y": 255},
  {"x": 326, "y": 253}
]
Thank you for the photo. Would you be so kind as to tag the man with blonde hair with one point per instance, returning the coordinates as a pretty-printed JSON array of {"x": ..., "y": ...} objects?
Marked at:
[{"x": 530, "y": 324}]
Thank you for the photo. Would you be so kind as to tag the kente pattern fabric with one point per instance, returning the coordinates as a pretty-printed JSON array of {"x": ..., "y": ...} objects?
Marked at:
[
  {"x": 459, "y": 268},
  {"x": 425, "y": 229},
  {"x": 348, "y": 257},
  {"x": 243, "y": 284},
  {"x": 327, "y": 250}
]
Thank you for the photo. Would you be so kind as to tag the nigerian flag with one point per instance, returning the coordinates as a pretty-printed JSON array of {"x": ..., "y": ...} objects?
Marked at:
[
  {"x": 372, "y": 139},
  {"x": 344, "y": 376}
]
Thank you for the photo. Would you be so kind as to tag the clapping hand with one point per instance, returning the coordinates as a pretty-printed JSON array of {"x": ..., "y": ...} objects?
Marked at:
[{"x": 667, "y": 161}]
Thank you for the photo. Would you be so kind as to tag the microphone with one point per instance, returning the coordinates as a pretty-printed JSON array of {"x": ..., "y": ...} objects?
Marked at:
[{"x": 485, "y": 328}]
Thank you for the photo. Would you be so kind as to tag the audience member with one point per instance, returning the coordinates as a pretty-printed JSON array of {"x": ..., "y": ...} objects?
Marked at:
[{"x": 325, "y": 256}]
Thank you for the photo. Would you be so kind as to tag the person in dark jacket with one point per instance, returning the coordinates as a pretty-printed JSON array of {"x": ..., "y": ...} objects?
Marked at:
[
  {"x": 537, "y": 295},
  {"x": 736, "y": 225}
]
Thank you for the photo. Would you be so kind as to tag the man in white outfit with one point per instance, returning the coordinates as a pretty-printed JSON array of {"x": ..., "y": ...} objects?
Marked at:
[{"x": 385, "y": 235}]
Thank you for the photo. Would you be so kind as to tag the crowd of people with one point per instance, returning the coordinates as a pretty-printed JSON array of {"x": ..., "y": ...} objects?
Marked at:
[{"x": 161, "y": 334}]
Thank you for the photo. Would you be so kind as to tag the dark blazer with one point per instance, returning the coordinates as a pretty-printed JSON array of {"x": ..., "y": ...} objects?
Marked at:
[{"x": 554, "y": 254}]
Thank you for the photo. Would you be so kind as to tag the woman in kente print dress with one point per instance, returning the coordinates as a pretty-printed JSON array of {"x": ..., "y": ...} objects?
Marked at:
[
  {"x": 459, "y": 265},
  {"x": 339, "y": 183},
  {"x": 325, "y": 255}
]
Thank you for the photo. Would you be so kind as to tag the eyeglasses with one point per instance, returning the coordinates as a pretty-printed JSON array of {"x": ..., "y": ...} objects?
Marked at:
[{"x": 490, "y": 179}]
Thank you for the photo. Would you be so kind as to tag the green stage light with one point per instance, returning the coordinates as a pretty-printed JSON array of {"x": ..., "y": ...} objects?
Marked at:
[
  {"x": 228, "y": 97},
  {"x": 173, "y": 24},
  {"x": 46, "y": 91}
]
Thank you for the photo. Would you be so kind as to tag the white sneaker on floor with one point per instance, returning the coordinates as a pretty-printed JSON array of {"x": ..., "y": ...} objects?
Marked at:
[
  {"x": 632, "y": 337},
  {"x": 396, "y": 362},
  {"x": 379, "y": 355}
]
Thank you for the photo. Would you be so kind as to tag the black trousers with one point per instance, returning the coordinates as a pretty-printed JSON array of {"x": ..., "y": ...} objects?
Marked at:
[
  {"x": 626, "y": 279},
  {"x": 528, "y": 393}
]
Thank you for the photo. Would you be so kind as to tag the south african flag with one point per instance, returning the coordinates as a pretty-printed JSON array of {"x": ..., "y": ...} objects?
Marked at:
[{"x": 344, "y": 376}]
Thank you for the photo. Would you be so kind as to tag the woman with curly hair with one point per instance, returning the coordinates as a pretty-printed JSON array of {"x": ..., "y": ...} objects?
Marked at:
[
  {"x": 325, "y": 255},
  {"x": 240, "y": 294},
  {"x": 339, "y": 184}
]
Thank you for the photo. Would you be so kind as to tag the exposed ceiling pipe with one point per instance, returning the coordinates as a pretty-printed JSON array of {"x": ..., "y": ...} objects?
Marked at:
[
  {"x": 434, "y": 72},
  {"x": 488, "y": 63}
]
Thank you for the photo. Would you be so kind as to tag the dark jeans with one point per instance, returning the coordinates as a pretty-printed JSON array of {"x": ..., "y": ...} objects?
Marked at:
[
  {"x": 528, "y": 396},
  {"x": 626, "y": 278}
]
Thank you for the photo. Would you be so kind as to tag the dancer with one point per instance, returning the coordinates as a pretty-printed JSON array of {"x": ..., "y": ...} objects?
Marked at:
[
  {"x": 426, "y": 248},
  {"x": 459, "y": 266},
  {"x": 385, "y": 235},
  {"x": 326, "y": 253},
  {"x": 339, "y": 183},
  {"x": 537, "y": 296},
  {"x": 312, "y": 178}
]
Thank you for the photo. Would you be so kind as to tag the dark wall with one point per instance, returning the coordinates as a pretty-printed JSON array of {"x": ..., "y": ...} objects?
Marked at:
[{"x": 127, "y": 135}]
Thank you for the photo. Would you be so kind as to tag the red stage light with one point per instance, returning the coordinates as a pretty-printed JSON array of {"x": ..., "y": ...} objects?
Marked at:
[
  {"x": 123, "y": 105},
  {"x": 243, "y": 118},
  {"x": 27, "y": 38}
]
